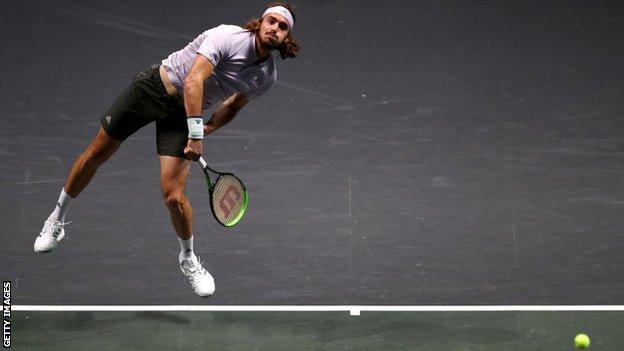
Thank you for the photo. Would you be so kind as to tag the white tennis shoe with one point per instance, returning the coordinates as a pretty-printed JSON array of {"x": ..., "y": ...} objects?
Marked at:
[
  {"x": 50, "y": 235},
  {"x": 201, "y": 281}
]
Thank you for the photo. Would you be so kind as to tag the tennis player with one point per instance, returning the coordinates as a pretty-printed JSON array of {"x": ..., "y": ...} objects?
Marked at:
[{"x": 226, "y": 64}]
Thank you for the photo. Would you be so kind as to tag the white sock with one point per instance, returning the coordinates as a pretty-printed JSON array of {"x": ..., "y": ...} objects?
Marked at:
[
  {"x": 186, "y": 248},
  {"x": 61, "y": 207}
]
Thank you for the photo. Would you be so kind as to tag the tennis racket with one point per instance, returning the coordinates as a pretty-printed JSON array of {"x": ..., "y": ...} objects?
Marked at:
[{"x": 228, "y": 196}]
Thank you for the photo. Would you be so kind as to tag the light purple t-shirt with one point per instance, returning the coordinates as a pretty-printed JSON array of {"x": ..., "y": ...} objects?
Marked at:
[{"x": 232, "y": 51}]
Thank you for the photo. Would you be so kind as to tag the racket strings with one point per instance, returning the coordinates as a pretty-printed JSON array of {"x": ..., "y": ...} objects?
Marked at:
[{"x": 228, "y": 198}]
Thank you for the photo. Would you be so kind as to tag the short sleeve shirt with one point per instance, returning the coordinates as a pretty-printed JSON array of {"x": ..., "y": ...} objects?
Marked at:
[{"x": 232, "y": 51}]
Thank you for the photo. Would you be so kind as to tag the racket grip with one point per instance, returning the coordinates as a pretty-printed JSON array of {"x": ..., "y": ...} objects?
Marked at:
[{"x": 202, "y": 162}]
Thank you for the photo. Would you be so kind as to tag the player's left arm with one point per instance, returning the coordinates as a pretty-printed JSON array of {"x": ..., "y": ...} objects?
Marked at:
[{"x": 226, "y": 112}]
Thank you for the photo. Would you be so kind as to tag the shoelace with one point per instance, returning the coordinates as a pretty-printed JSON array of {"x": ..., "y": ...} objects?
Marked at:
[
  {"x": 194, "y": 274},
  {"x": 49, "y": 225}
]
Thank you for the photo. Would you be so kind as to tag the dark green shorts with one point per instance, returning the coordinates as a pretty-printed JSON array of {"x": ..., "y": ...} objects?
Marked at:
[{"x": 146, "y": 100}]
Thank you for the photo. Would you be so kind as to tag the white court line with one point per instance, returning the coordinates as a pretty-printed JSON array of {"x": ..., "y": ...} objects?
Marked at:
[{"x": 353, "y": 310}]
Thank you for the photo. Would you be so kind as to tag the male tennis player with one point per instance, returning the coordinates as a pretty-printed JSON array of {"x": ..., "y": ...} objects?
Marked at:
[{"x": 227, "y": 64}]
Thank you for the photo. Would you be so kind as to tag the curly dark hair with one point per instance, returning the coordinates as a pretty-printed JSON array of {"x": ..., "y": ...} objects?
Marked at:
[{"x": 290, "y": 47}]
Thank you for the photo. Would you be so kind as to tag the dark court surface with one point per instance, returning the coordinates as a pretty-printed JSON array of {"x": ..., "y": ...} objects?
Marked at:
[
  {"x": 480, "y": 331},
  {"x": 426, "y": 152}
]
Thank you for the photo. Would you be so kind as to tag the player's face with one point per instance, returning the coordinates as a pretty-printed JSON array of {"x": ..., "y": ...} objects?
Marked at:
[{"x": 273, "y": 30}]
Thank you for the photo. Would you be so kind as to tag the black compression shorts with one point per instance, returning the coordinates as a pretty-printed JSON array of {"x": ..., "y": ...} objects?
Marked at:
[{"x": 146, "y": 100}]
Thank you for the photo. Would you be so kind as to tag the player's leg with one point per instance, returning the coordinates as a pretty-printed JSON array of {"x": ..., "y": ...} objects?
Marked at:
[
  {"x": 171, "y": 138},
  {"x": 173, "y": 174},
  {"x": 131, "y": 110},
  {"x": 101, "y": 149},
  {"x": 81, "y": 173}
]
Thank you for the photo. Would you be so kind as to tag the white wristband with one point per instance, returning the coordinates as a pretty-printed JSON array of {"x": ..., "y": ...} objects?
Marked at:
[{"x": 195, "y": 127}]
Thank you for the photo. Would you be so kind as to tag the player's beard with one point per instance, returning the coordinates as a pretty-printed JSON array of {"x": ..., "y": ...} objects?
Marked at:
[{"x": 269, "y": 43}]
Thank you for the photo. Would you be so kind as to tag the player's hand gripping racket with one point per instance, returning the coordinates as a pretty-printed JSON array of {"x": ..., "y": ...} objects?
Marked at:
[{"x": 228, "y": 196}]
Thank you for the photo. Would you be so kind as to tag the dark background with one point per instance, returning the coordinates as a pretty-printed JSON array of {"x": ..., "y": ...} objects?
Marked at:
[{"x": 428, "y": 152}]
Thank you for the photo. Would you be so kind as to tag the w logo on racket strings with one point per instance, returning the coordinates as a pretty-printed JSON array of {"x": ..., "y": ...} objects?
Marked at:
[{"x": 229, "y": 200}]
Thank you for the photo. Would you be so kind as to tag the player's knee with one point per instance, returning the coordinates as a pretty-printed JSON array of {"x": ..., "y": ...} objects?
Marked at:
[{"x": 174, "y": 199}]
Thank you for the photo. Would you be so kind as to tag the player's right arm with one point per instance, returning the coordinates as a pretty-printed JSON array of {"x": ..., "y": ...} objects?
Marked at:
[
  {"x": 194, "y": 85},
  {"x": 194, "y": 97}
]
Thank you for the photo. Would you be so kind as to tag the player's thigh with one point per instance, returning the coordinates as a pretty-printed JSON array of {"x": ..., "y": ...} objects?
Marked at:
[
  {"x": 132, "y": 110},
  {"x": 172, "y": 133},
  {"x": 145, "y": 100},
  {"x": 173, "y": 173},
  {"x": 102, "y": 146}
]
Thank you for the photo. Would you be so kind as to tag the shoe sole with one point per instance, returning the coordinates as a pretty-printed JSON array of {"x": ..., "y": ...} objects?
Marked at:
[
  {"x": 58, "y": 240},
  {"x": 45, "y": 251}
]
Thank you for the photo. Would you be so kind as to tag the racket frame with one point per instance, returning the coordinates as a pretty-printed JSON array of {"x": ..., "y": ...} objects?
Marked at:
[{"x": 211, "y": 184}]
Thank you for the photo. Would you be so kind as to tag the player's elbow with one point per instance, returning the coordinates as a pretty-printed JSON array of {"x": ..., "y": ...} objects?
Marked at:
[{"x": 236, "y": 102}]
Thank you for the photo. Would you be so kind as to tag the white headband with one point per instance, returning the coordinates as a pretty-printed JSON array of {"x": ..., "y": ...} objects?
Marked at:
[{"x": 281, "y": 10}]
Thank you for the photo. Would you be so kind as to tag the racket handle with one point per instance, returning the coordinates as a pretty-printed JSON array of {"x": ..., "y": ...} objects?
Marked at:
[{"x": 202, "y": 162}]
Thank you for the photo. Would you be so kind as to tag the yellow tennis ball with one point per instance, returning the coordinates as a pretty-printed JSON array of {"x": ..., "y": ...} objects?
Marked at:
[{"x": 581, "y": 341}]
